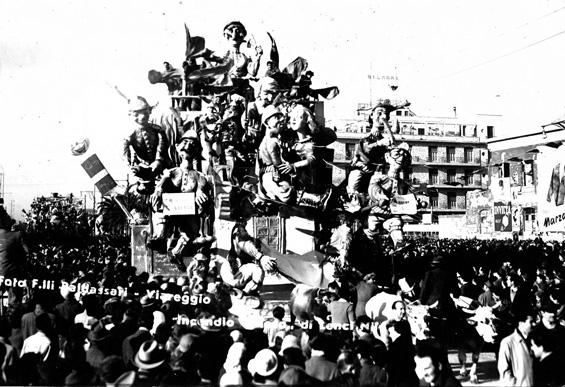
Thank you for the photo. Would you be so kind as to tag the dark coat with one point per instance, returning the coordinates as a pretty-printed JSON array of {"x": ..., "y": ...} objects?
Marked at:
[
  {"x": 401, "y": 363},
  {"x": 372, "y": 375},
  {"x": 521, "y": 303},
  {"x": 437, "y": 286},
  {"x": 365, "y": 291},
  {"x": 367, "y": 256},
  {"x": 13, "y": 252},
  {"x": 119, "y": 332},
  {"x": 322, "y": 369}
]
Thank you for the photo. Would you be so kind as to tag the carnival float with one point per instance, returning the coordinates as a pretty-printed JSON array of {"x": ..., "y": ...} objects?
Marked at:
[{"x": 238, "y": 176}]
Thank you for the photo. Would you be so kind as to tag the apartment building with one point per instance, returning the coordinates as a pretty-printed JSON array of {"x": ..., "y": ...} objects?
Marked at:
[{"x": 449, "y": 157}]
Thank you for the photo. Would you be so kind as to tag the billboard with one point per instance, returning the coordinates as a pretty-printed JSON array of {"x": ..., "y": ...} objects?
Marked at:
[{"x": 551, "y": 189}]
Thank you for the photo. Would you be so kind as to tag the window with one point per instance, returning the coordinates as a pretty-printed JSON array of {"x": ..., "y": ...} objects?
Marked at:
[
  {"x": 490, "y": 131},
  {"x": 433, "y": 199},
  {"x": 451, "y": 200},
  {"x": 432, "y": 153},
  {"x": 468, "y": 155},
  {"x": 450, "y": 154},
  {"x": 267, "y": 228},
  {"x": 451, "y": 175},
  {"x": 433, "y": 176},
  {"x": 399, "y": 112},
  {"x": 468, "y": 178},
  {"x": 349, "y": 150},
  {"x": 529, "y": 214},
  {"x": 421, "y": 131}
]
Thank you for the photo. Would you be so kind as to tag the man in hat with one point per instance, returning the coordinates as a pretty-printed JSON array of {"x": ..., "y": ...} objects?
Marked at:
[
  {"x": 184, "y": 179},
  {"x": 145, "y": 149},
  {"x": 151, "y": 363},
  {"x": 99, "y": 346},
  {"x": 264, "y": 368}
]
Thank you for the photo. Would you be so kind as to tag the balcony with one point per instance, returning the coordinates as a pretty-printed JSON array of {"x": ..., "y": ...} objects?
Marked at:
[
  {"x": 445, "y": 184},
  {"x": 444, "y": 160},
  {"x": 456, "y": 139},
  {"x": 443, "y": 210}
]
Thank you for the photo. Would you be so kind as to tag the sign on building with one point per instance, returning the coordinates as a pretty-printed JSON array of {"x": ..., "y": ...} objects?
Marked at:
[{"x": 502, "y": 216}]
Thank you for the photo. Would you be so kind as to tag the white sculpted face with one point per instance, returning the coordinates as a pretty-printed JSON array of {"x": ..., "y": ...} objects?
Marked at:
[{"x": 297, "y": 118}]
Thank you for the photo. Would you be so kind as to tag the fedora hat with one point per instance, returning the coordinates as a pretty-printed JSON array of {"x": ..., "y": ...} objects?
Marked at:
[
  {"x": 265, "y": 363},
  {"x": 269, "y": 112},
  {"x": 149, "y": 356},
  {"x": 138, "y": 104},
  {"x": 289, "y": 341}
]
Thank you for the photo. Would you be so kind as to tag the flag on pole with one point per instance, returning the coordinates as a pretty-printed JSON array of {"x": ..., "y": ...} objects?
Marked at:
[{"x": 93, "y": 167}]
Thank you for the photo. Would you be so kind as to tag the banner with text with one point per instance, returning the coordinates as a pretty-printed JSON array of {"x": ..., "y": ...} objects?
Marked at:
[{"x": 551, "y": 189}]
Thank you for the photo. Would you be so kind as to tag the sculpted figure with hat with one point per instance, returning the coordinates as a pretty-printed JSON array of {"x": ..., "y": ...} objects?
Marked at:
[
  {"x": 273, "y": 184},
  {"x": 242, "y": 66},
  {"x": 191, "y": 229},
  {"x": 145, "y": 149}
]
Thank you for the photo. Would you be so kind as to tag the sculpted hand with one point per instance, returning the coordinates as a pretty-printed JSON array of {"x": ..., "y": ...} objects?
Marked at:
[
  {"x": 155, "y": 165},
  {"x": 285, "y": 168},
  {"x": 200, "y": 198},
  {"x": 258, "y": 51},
  {"x": 156, "y": 198},
  {"x": 268, "y": 264}
]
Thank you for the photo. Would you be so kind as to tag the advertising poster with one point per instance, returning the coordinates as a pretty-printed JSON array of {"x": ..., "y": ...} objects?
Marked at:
[
  {"x": 516, "y": 174},
  {"x": 517, "y": 219},
  {"x": 502, "y": 217},
  {"x": 551, "y": 189}
]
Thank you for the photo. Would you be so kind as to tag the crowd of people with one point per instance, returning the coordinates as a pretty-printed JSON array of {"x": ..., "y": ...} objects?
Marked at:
[
  {"x": 57, "y": 214},
  {"x": 66, "y": 336}
]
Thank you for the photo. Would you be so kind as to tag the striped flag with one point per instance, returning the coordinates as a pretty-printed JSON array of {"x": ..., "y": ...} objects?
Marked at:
[
  {"x": 99, "y": 174},
  {"x": 94, "y": 167}
]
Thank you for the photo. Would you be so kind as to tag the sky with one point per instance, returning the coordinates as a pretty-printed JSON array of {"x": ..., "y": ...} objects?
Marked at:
[{"x": 59, "y": 61}]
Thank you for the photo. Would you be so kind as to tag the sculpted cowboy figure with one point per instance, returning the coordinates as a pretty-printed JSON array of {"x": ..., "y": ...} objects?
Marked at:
[
  {"x": 184, "y": 179},
  {"x": 274, "y": 183},
  {"x": 146, "y": 147}
]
